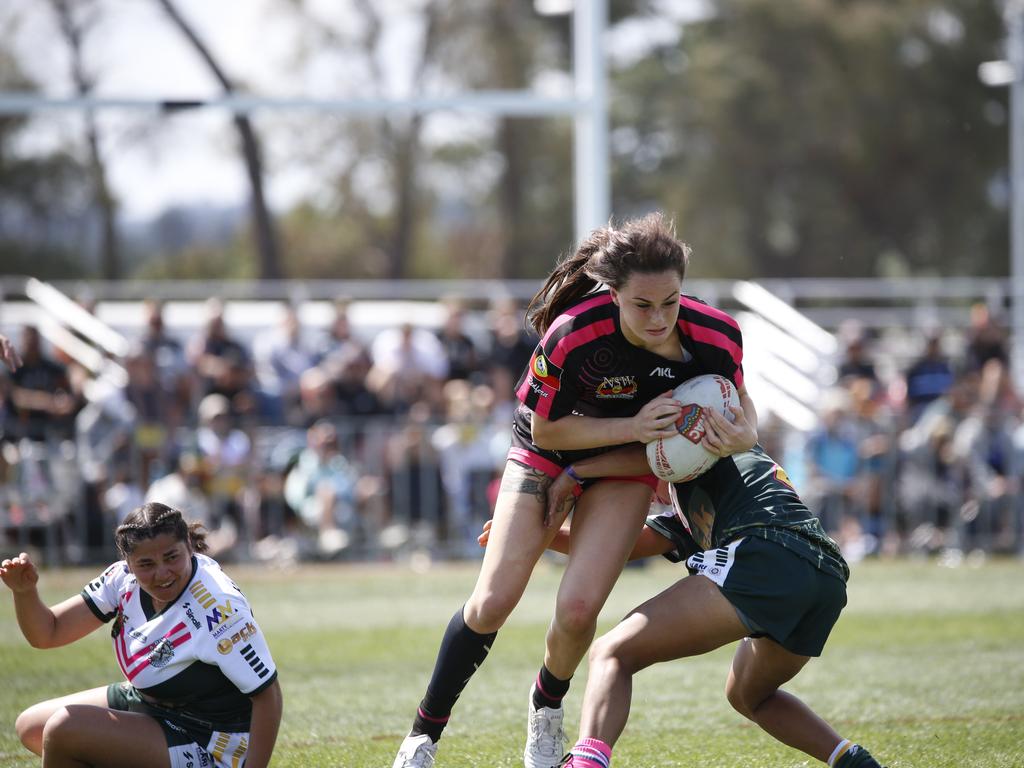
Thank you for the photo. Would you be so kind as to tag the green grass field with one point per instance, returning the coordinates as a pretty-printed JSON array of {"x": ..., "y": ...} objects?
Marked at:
[{"x": 926, "y": 666}]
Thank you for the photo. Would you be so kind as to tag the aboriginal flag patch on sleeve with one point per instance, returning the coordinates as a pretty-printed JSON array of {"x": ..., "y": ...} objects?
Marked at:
[
  {"x": 545, "y": 372},
  {"x": 782, "y": 477}
]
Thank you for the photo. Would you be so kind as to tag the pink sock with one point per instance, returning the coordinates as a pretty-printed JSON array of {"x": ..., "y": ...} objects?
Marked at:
[{"x": 591, "y": 753}]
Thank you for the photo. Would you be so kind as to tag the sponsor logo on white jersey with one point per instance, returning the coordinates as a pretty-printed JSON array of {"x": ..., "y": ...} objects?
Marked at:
[{"x": 161, "y": 654}]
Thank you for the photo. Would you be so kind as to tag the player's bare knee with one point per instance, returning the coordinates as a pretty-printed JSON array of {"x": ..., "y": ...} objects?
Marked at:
[
  {"x": 577, "y": 616},
  {"x": 612, "y": 655},
  {"x": 58, "y": 728},
  {"x": 489, "y": 613},
  {"x": 737, "y": 697},
  {"x": 29, "y": 727}
]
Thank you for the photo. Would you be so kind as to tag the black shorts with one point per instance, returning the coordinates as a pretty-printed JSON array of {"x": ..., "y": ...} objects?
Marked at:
[{"x": 777, "y": 593}]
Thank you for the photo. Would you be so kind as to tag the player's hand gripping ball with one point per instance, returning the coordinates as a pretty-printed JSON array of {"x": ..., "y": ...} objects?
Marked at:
[{"x": 682, "y": 457}]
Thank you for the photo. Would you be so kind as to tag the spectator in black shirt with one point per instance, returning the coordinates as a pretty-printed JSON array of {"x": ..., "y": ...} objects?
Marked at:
[
  {"x": 223, "y": 365},
  {"x": 38, "y": 396},
  {"x": 463, "y": 360},
  {"x": 987, "y": 339}
]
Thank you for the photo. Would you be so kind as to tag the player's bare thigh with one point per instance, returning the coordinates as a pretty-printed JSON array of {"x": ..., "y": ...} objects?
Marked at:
[
  {"x": 517, "y": 539},
  {"x": 689, "y": 618},
  {"x": 29, "y": 725},
  {"x": 606, "y": 522},
  {"x": 82, "y": 733}
]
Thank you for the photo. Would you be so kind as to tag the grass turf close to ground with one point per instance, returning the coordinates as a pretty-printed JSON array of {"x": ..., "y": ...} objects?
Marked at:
[{"x": 926, "y": 668}]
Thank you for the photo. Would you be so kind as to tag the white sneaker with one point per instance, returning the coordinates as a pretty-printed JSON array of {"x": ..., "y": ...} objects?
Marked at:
[
  {"x": 545, "y": 739},
  {"x": 416, "y": 752}
]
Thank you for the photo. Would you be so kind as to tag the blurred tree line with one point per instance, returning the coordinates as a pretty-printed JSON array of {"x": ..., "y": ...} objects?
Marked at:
[{"x": 804, "y": 138}]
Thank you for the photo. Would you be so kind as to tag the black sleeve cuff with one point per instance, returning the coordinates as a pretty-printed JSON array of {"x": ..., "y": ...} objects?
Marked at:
[
  {"x": 264, "y": 685},
  {"x": 104, "y": 617}
]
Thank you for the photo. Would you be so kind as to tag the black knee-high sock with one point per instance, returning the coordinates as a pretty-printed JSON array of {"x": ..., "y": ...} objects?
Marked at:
[
  {"x": 549, "y": 690},
  {"x": 462, "y": 651}
]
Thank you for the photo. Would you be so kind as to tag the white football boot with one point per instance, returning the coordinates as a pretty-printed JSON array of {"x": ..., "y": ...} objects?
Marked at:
[
  {"x": 545, "y": 739},
  {"x": 416, "y": 752}
]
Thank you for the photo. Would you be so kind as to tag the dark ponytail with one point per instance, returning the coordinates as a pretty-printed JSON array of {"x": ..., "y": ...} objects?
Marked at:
[
  {"x": 151, "y": 520},
  {"x": 608, "y": 256}
]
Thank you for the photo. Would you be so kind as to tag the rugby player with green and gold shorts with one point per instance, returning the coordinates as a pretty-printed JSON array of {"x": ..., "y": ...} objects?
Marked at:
[{"x": 762, "y": 571}]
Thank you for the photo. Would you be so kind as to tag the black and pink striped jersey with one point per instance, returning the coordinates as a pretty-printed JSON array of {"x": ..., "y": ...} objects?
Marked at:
[
  {"x": 204, "y": 653},
  {"x": 584, "y": 365}
]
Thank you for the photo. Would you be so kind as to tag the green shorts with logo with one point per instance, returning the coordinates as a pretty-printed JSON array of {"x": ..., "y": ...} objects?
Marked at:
[
  {"x": 191, "y": 741},
  {"x": 777, "y": 593}
]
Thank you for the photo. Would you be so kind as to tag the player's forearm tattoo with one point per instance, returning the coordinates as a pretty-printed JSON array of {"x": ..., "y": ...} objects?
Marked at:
[{"x": 520, "y": 479}]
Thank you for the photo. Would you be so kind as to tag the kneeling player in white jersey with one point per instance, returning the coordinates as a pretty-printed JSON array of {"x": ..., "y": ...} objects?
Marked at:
[{"x": 201, "y": 687}]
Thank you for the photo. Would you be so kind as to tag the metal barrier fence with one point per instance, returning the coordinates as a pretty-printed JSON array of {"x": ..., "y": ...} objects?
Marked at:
[{"x": 405, "y": 486}]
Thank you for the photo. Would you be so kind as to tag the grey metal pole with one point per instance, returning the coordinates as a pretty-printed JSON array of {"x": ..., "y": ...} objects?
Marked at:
[
  {"x": 1015, "y": 44},
  {"x": 591, "y": 166}
]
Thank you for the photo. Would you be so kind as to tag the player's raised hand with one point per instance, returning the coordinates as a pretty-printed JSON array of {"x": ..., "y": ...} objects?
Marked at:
[
  {"x": 724, "y": 437},
  {"x": 19, "y": 573},
  {"x": 657, "y": 418},
  {"x": 8, "y": 354}
]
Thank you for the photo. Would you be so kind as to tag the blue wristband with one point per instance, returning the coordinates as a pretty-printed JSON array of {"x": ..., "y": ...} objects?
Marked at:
[{"x": 572, "y": 473}]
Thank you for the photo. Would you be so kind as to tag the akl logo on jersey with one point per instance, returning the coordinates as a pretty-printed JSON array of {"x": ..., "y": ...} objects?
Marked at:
[
  {"x": 617, "y": 388},
  {"x": 691, "y": 423},
  {"x": 663, "y": 371},
  {"x": 546, "y": 372},
  {"x": 225, "y": 645}
]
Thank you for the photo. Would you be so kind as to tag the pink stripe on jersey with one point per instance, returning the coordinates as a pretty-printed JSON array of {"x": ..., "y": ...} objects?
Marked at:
[
  {"x": 549, "y": 468},
  {"x": 543, "y": 406},
  {"x": 145, "y": 663},
  {"x": 563, "y": 347},
  {"x": 534, "y": 460},
  {"x": 719, "y": 339},
  {"x": 579, "y": 337},
  {"x": 711, "y": 336},
  {"x": 117, "y": 653},
  {"x": 180, "y": 626},
  {"x": 577, "y": 310},
  {"x": 705, "y": 309}
]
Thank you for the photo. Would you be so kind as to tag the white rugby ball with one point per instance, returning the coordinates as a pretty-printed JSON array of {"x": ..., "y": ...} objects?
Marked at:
[{"x": 681, "y": 458}]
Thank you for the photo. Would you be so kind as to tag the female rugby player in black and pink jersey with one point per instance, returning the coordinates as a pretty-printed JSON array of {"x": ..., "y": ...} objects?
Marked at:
[
  {"x": 200, "y": 685},
  {"x": 763, "y": 571},
  {"x": 617, "y": 338}
]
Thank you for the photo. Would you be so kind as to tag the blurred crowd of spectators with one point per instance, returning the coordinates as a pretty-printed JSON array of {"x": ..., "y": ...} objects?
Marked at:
[
  {"x": 930, "y": 460},
  {"x": 320, "y": 444},
  {"x": 300, "y": 444}
]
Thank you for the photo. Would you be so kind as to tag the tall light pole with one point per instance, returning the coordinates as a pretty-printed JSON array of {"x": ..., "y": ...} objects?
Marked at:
[
  {"x": 590, "y": 66},
  {"x": 1015, "y": 28},
  {"x": 1011, "y": 73}
]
